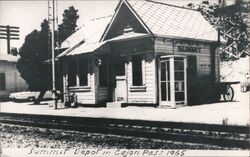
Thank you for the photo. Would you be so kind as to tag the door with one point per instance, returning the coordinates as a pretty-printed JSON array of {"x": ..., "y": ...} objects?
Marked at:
[
  {"x": 172, "y": 81},
  {"x": 120, "y": 80},
  {"x": 165, "y": 86},
  {"x": 120, "y": 90}
]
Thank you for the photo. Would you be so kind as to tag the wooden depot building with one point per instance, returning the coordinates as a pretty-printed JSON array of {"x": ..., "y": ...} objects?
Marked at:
[{"x": 146, "y": 53}]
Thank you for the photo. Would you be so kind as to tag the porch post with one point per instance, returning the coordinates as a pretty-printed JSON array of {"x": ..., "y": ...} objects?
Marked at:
[
  {"x": 77, "y": 72},
  {"x": 65, "y": 82},
  {"x": 185, "y": 81},
  {"x": 172, "y": 83}
]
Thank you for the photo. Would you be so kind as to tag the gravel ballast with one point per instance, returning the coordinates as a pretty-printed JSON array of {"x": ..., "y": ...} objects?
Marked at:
[{"x": 14, "y": 136}]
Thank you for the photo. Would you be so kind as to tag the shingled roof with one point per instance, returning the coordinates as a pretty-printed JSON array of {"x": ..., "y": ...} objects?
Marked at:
[
  {"x": 159, "y": 19},
  {"x": 87, "y": 35},
  {"x": 171, "y": 21}
]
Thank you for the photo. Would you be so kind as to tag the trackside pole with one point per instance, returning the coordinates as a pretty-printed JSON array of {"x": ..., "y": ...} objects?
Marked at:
[{"x": 53, "y": 55}]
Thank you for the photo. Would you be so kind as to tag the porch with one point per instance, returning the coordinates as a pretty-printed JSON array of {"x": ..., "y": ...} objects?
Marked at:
[{"x": 233, "y": 113}]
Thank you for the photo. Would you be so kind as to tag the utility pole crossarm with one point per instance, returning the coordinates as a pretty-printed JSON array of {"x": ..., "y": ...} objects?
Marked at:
[{"x": 9, "y": 33}]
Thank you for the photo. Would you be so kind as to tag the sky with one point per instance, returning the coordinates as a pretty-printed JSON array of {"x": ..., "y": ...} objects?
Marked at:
[{"x": 28, "y": 14}]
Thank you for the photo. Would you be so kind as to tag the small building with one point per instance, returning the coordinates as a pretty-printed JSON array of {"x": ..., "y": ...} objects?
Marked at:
[
  {"x": 146, "y": 53},
  {"x": 10, "y": 79}
]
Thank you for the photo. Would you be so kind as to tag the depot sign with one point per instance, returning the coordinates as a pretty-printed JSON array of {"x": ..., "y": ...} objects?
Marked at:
[{"x": 189, "y": 49}]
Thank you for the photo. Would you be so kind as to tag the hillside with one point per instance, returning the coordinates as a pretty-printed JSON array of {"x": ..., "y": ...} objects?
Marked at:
[{"x": 235, "y": 70}]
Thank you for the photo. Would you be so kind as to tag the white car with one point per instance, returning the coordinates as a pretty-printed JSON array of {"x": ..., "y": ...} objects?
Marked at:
[{"x": 29, "y": 95}]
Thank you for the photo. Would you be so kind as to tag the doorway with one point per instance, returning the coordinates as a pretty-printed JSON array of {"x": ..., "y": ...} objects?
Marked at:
[
  {"x": 120, "y": 80},
  {"x": 172, "y": 81}
]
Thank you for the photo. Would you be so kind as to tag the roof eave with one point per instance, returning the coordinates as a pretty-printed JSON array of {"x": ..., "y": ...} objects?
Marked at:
[
  {"x": 64, "y": 53},
  {"x": 185, "y": 38},
  {"x": 132, "y": 38}
]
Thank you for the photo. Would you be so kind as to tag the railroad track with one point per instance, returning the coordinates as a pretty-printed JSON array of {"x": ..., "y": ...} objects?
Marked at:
[{"x": 220, "y": 135}]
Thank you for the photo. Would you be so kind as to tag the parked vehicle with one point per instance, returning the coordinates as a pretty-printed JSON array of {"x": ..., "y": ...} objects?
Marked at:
[{"x": 29, "y": 95}]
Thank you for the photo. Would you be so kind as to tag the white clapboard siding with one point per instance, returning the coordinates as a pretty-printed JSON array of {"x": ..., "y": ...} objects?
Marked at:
[
  {"x": 102, "y": 94},
  {"x": 85, "y": 97}
]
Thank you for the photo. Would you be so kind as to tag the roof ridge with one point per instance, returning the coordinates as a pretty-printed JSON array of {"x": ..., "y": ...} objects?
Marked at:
[
  {"x": 98, "y": 18},
  {"x": 170, "y": 5}
]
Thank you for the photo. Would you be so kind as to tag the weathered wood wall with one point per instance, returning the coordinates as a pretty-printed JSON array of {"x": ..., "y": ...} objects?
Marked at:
[{"x": 102, "y": 94}]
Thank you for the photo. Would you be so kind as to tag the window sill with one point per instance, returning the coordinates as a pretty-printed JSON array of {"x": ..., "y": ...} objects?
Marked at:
[
  {"x": 80, "y": 89},
  {"x": 138, "y": 89}
]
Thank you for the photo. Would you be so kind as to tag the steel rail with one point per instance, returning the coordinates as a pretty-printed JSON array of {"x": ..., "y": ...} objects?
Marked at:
[{"x": 220, "y": 135}]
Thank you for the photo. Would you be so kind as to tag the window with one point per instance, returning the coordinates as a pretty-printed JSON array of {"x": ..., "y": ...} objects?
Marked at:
[
  {"x": 78, "y": 73},
  {"x": 103, "y": 72},
  {"x": 83, "y": 72},
  {"x": 2, "y": 81},
  {"x": 137, "y": 71}
]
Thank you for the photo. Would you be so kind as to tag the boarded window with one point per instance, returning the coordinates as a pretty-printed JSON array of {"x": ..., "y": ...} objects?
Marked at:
[
  {"x": 72, "y": 73},
  {"x": 137, "y": 71},
  {"x": 103, "y": 72},
  {"x": 83, "y": 72},
  {"x": 2, "y": 81}
]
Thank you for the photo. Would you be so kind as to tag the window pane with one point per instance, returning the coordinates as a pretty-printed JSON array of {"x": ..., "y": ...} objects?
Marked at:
[
  {"x": 103, "y": 70},
  {"x": 163, "y": 71},
  {"x": 163, "y": 91},
  {"x": 137, "y": 70},
  {"x": 179, "y": 65},
  {"x": 83, "y": 72},
  {"x": 179, "y": 75},
  {"x": 169, "y": 92},
  {"x": 2, "y": 81},
  {"x": 179, "y": 96},
  {"x": 179, "y": 86},
  {"x": 72, "y": 73},
  {"x": 168, "y": 70}
]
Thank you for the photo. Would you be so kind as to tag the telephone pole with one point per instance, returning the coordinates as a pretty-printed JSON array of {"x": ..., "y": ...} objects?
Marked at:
[
  {"x": 9, "y": 33},
  {"x": 51, "y": 10}
]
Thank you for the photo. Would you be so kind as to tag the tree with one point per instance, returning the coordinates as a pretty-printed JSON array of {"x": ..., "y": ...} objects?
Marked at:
[
  {"x": 68, "y": 25},
  {"x": 232, "y": 26},
  {"x": 14, "y": 51},
  {"x": 35, "y": 53},
  {"x": 31, "y": 65}
]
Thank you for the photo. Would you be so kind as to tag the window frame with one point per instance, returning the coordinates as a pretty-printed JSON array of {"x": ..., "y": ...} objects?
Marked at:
[
  {"x": 142, "y": 87},
  {"x": 79, "y": 71},
  {"x": 77, "y": 74}
]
